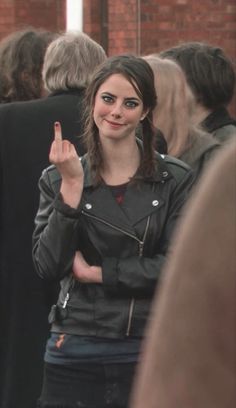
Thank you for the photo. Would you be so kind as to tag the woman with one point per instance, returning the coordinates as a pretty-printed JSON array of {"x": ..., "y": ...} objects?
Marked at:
[
  {"x": 174, "y": 116},
  {"x": 103, "y": 228}
]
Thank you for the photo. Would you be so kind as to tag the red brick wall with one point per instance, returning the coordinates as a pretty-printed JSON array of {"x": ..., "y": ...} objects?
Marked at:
[
  {"x": 92, "y": 19},
  {"x": 123, "y": 27},
  {"x": 7, "y": 21},
  {"x": 119, "y": 21},
  {"x": 17, "y": 14},
  {"x": 145, "y": 26},
  {"x": 165, "y": 23},
  {"x": 168, "y": 22},
  {"x": 136, "y": 26}
]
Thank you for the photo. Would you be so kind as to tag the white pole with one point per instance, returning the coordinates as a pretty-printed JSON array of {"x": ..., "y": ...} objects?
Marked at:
[{"x": 74, "y": 13}]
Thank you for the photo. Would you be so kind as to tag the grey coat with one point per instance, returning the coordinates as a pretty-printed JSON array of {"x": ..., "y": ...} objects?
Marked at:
[{"x": 189, "y": 356}]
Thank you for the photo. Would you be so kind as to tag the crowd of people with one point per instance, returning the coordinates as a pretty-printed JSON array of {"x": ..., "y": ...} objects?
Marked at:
[{"x": 117, "y": 225}]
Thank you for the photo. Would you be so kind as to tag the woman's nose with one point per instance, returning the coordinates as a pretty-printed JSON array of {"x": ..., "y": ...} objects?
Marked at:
[{"x": 117, "y": 110}]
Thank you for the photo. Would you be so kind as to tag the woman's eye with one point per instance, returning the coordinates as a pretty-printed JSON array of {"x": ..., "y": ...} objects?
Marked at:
[
  {"x": 131, "y": 104},
  {"x": 107, "y": 99}
]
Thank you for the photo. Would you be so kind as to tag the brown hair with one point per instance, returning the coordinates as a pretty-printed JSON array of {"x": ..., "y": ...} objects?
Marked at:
[
  {"x": 175, "y": 104},
  {"x": 209, "y": 71},
  {"x": 141, "y": 77},
  {"x": 21, "y": 60}
]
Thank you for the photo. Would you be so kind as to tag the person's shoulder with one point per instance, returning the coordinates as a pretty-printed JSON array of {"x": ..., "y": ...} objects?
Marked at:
[
  {"x": 47, "y": 100},
  {"x": 6, "y": 117},
  {"x": 225, "y": 133},
  {"x": 12, "y": 109},
  {"x": 5, "y": 108},
  {"x": 23, "y": 117},
  {"x": 176, "y": 167},
  {"x": 76, "y": 95},
  {"x": 39, "y": 109},
  {"x": 51, "y": 178},
  {"x": 66, "y": 104},
  {"x": 174, "y": 162}
]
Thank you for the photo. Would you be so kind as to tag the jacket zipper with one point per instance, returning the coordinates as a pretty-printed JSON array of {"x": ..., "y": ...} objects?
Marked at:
[
  {"x": 131, "y": 307},
  {"x": 111, "y": 225},
  {"x": 67, "y": 296},
  {"x": 141, "y": 245}
]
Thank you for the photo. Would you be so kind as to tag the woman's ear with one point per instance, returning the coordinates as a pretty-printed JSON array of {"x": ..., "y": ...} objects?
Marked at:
[{"x": 144, "y": 114}]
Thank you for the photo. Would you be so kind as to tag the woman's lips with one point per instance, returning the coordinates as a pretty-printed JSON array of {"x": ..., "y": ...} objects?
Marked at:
[{"x": 114, "y": 124}]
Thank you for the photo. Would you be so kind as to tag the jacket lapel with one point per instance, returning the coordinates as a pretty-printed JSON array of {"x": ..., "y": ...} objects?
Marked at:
[
  {"x": 140, "y": 200},
  {"x": 100, "y": 203}
]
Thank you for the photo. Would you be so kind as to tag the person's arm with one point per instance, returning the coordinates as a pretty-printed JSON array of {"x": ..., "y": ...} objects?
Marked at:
[
  {"x": 84, "y": 272},
  {"x": 55, "y": 237},
  {"x": 65, "y": 158}
]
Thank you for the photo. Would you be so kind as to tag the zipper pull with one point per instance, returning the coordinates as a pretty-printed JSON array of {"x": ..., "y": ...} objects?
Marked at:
[
  {"x": 66, "y": 300},
  {"x": 141, "y": 244}
]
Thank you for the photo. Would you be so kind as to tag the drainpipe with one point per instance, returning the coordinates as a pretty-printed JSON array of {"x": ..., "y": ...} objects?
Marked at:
[{"x": 104, "y": 24}]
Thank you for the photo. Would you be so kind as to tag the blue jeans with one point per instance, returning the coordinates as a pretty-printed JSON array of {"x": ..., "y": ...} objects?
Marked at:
[{"x": 86, "y": 385}]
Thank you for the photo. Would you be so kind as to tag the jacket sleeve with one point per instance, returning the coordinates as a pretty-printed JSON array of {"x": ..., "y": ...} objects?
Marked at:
[
  {"x": 138, "y": 276},
  {"x": 54, "y": 237}
]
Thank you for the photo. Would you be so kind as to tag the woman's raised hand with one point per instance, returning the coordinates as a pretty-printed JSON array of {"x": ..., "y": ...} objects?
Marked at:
[
  {"x": 65, "y": 157},
  {"x": 67, "y": 162}
]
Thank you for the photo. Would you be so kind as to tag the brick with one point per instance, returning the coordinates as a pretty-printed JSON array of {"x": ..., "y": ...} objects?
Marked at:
[
  {"x": 161, "y": 23},
  {"x": 231, "y": 8}
]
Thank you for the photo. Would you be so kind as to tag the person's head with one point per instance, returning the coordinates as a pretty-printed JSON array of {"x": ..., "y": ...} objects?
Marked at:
[
  {"x": 21, "y": 61},
  {"x": 121, "y": 91},
  {"x": 173, "y": 112},
  {"x": 70, "y": 61},
  {"x": 209, "y": 72}
]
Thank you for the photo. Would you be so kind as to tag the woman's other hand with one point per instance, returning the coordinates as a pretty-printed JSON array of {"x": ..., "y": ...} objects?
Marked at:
[{"x": 84, "y": 272}]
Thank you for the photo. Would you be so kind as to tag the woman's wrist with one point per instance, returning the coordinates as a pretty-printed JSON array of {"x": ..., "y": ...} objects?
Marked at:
[
  {"x": 97, "y": 273},
  {"x": 71, "y": 191}
]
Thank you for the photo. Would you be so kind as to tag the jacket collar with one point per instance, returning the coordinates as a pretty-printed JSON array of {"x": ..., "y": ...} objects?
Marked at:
[
  {"x": 71, "y": 91},
  {"x": 218, "y": 118},
  {"x": 161, "y": 174},
  {"x": 100, "y": 202}
]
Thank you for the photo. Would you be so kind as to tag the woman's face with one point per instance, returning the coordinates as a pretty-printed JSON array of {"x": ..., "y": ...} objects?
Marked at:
[{"x": 117, "y": 108}]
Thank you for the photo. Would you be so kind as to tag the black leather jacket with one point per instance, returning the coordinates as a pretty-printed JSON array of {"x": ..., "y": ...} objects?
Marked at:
[{"x": 129, "y": 242}]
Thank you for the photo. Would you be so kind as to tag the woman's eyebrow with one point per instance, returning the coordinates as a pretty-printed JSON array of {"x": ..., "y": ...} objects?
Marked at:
[
  {"x": 108, "y": 93},
  {"x": 132, "y": 98},
  {"x": 129, "y": 98}
]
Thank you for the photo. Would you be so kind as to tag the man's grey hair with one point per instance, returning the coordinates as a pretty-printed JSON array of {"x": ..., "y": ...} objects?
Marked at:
[{"x": 70, "y": 60}]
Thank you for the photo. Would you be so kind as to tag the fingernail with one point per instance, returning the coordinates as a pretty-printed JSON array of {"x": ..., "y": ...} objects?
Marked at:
[{"x": 56, "y": 124}]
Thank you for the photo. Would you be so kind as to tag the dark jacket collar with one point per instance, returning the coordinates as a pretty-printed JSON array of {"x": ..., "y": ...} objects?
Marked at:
[
  {"x": 217, "y": 119},
  {"x": 71, "y": 91}
]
